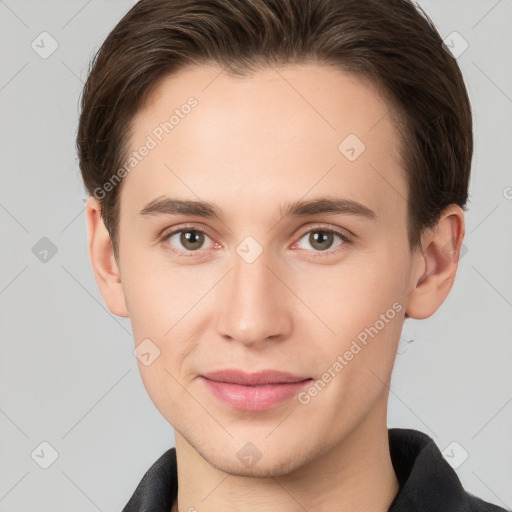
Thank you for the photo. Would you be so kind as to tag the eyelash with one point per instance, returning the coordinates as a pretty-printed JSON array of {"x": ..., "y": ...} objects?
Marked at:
[{"x": 346, "y": 239}]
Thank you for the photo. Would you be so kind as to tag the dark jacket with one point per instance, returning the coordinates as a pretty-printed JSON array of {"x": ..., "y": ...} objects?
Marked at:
[{"x": 427, "y": 482}]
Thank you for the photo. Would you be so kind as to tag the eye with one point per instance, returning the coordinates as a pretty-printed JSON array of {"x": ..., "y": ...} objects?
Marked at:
[
  {"x": 322, "y": 239},
  {"x": 186, "y": 239}
]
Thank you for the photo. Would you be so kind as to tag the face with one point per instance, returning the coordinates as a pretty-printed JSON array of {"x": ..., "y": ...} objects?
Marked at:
[{"x": 319, "y": 293}]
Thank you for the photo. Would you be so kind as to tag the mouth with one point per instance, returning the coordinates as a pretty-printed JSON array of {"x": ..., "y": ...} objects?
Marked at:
[{"x": 253, "y": 391}]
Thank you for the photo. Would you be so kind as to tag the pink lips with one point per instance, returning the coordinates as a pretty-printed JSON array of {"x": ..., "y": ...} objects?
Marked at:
[{"x": 253, "y": 391}]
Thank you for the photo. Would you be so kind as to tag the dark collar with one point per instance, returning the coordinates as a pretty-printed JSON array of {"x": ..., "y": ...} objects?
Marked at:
[{"x": 427, "y": 482}]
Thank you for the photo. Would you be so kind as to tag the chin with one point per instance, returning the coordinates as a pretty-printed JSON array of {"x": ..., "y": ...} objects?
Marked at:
[{"x": 264, "y": 466}]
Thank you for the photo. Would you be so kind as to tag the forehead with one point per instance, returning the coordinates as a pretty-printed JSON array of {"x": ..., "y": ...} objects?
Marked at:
[{"x": 279, "y": 131}]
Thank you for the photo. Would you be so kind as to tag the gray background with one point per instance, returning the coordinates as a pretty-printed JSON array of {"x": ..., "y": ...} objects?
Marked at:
[{"x": 68, "y": 374}]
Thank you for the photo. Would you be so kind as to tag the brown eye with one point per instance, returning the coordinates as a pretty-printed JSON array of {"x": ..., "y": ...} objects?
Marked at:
[
  {"x": 323, "y": 239},
  {"x": 186, "y": 240}
]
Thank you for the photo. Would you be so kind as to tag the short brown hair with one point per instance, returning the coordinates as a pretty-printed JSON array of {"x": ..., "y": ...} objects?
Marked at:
[{"x": 388, "y": 41}]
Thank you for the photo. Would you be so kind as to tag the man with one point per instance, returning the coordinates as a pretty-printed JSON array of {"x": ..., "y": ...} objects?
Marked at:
[{"x": 275, "y": 186}]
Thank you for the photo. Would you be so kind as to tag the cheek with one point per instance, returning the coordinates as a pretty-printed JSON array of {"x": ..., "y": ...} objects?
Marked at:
[
  {"x": 353, "y": 364},
  {"x": 352, "y": 295},
  {"x": 165, "y": 307},
  {"x": 363, "y": 306},
  {"x": 158, "y": 294}
]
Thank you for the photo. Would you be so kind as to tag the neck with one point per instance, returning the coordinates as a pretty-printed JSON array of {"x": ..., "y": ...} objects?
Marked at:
[{"x": 355, "y": 474}]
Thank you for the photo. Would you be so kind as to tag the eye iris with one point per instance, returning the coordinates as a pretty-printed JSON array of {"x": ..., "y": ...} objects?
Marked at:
[
  {"x": 191, "y": 237},
  {"x": 319, "y": 237}
]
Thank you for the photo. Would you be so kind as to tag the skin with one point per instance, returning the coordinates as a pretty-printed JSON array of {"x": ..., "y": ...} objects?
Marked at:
[{"x": 251, "y": 145}]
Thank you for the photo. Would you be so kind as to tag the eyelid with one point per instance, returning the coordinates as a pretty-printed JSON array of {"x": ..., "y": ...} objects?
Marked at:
[
  {"x": 166, "y": 233},
  {"x": 344, "y": 233}
]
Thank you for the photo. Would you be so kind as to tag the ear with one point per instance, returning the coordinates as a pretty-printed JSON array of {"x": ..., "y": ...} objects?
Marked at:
[
  {"x": 435, "y": 264},
  {"x": 101, "y": 254}
]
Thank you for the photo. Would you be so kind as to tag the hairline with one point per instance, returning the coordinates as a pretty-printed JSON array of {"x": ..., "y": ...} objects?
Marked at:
[{"x": 396, "y": 113}]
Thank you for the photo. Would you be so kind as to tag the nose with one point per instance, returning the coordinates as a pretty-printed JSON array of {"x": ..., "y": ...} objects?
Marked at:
[{"x": 255, "y": 303}]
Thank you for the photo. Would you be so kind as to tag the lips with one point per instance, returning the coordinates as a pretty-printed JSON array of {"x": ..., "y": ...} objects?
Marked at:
[
  {"x": 253, "y": 391},
  {"x": 253, "y": 379}
]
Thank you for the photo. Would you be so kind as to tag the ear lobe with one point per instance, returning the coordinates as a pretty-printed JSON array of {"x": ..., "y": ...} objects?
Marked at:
[
  {"x": 101, "y": 254},
  {"x": 436, "y": 264}
]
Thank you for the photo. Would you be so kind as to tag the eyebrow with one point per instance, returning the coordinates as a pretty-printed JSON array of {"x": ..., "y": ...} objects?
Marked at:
[{"x": 323, "y": 205}]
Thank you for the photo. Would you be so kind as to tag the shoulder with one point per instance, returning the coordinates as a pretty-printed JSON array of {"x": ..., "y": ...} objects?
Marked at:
[
  {"x": 158, "y": 487},
  {"x": 427, "y": 481}
]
